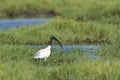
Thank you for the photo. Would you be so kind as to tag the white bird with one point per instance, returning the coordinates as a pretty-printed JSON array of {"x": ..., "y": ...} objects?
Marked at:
[{"x": 45, "y": 53}]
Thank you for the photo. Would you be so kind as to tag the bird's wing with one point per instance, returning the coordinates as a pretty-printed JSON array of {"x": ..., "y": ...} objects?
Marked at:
[{"x": 39, "y": 54}]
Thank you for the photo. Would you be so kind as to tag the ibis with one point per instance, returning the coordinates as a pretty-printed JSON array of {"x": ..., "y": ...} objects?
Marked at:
[{"x": 45, "y": 53}]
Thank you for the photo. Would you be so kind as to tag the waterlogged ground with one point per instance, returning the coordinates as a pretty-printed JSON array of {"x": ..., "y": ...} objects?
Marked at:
[
  {"x": 69, "y": 63},
  {"x": 79, "y": 23},
  {"x": 89, "y": 50},
  {"x": 70, "y": 48},
  {"x": 17, "y": 23}
]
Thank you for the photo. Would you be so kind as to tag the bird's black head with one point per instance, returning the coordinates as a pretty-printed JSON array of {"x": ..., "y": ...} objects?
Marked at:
[{"x": 54, "y": 38}]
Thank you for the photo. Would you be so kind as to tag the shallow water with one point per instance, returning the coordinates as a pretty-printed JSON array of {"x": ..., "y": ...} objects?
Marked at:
[
  {"x": 16, "y": 23},
  {"x": 70, "y": 48},
  {"x": 88, "y": 49},
  {"x": 82, "y": 48}
]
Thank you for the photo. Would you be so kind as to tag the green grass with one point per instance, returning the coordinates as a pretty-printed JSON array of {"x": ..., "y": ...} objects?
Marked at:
[
  {"x": 69, "y": 32},
  {"x": 79, "y": 9},
  {"x": 82, "y": 23},
  {"x": 110, "y": 51},
  {"x": 16, "y": 62}
]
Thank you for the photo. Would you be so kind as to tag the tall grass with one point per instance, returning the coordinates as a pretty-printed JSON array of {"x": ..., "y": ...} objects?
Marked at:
[
  {"x": 98, "y": 23},
  {"x": 110, "y": 51},
  {"x": 79, "y": 9},
  {"x": 16, "y": 62},
  {"x": 69, "y": 32}
]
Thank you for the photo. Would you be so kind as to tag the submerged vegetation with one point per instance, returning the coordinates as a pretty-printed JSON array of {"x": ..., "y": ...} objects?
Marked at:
[{"x": 80, "y": 22}]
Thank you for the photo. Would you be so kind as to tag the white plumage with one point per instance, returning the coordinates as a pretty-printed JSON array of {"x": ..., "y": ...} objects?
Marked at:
[{"x": 45, "y": 53}]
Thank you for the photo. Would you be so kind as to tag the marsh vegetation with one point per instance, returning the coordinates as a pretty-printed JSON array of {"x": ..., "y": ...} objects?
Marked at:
[{"x": 95, "y": 22}]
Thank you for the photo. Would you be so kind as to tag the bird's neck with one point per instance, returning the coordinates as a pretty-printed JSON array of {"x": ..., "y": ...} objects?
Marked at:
[
  {"x": 49, "y": 47},
  {"x": 50, "y": 42}
]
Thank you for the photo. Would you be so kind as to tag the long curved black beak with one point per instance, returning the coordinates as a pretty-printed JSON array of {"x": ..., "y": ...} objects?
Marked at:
[{"x": 58, "y": 41}]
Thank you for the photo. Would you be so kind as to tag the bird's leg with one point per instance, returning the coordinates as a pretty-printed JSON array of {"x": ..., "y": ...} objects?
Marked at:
[
  {"x": 45, "y": 59},
  {"x": 40, "y": 60}
]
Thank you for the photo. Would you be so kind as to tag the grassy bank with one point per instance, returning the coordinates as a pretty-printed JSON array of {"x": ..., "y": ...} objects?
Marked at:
[
  {"x": 69, "y": 32},
  {"x": 16, "y": 62},
  {"x": 79, "y": 9}
]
